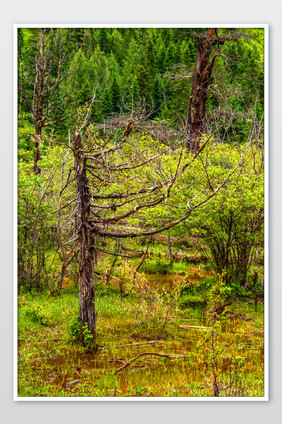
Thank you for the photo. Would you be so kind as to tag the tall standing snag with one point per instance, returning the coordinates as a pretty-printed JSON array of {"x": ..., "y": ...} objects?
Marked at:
[
  {"x": 86, "y": 240},
  {"x": 92, "y": 218},
  {"x": 40, "y": 81},
  {"x": 111, "y": 191},
  {"x": 201, "y": 77}
]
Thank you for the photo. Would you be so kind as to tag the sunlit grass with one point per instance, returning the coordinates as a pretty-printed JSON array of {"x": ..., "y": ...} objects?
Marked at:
[{"x": 49, "y": 365}]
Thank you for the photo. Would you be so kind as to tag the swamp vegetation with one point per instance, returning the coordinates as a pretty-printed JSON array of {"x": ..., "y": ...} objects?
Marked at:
[{"x": 165, "y": 315}]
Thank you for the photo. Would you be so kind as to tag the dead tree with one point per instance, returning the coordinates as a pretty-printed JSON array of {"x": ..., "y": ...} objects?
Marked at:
[
  {"x": 112, "y": 187},
  {"x": 208, "y": 49},
  {"x": 86, "y": 239},
  {"x": 41, "y": 74}
]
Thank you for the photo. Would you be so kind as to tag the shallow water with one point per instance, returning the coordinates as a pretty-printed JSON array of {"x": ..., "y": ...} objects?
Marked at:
[{"x": 170, "y": 280}]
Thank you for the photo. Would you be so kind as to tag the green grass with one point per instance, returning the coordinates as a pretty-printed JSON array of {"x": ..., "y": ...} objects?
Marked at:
[{"x": 49, "y": 365}]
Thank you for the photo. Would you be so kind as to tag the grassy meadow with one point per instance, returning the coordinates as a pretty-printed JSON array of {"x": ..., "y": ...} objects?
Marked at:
[{"x": 154, "y": 338}]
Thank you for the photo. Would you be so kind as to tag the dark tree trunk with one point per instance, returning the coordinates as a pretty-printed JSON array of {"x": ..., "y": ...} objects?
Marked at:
[
  {"x": 199, "y": 93},
  {"x": 62, "y": 276},
  {"x": 86, "y": 280},
  {"x": 86, "y": 242},
  {"x": 40, "y": 84}
]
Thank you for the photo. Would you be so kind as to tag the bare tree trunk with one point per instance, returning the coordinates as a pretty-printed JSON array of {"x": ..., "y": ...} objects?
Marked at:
[
  {"x": 39, "y": 84},
  {"x": 86, "y": 242},
  {"x": 199, "y": 93},
  {"x": 86, "y": 280}
]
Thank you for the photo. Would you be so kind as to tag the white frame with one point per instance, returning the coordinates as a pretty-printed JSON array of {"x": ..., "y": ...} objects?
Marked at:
[{"x": 266, "y": 210}]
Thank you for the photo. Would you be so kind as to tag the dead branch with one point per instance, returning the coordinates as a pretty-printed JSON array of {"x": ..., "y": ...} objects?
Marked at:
[
  {"x": 197, "y": 327},
  {"x": 138, "y": 356},
  {"x": 131, "y": 344},
  {"x": 145, "y": 233},
  {"x": 128, "y": 213},
  {"x": 112, "y": 253},
  {"x": 64, "y": 380}
]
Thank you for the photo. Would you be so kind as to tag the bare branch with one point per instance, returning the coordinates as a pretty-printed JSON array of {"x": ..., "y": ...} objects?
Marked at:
[
  {"x": 112, "y": 253},
  {"x": 142, "y": 354}
]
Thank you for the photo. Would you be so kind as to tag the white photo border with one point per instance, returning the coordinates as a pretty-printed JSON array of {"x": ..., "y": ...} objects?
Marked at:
[{"x": 266, "y": 209}]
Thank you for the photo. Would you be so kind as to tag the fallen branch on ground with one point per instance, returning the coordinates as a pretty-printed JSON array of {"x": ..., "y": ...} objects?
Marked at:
[
  {"x": 195, "y": 326},
  {"x": 138, "y": 356},
  {"x": 64, "y": 380},
  {"x": 73, "y": 383},
  {"x": 131, "y": 344}
]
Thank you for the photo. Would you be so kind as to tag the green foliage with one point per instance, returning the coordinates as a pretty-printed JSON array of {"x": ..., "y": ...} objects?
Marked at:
[
  {"x": 36, "y": 235},
  {"x": 192, "y": 296},
  {"x": 46, "y": 356},
  {"x": 158, "y": 267},
  {"x": 135, "y": 58},
  {"x": 80, "y": 334},
  {"x": 75, "y": 331},
  {"x": 216, "y": 296},
  {"x": 35, "y": 313},
  {"x": 87, "y": 336},
  {"x": 229, "y": 227}
]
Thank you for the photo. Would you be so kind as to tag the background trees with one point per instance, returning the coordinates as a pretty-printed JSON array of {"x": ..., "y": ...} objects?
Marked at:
[{"x": 138, "y": 62}]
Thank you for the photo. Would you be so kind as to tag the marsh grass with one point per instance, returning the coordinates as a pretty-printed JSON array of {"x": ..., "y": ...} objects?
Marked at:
[{"x": 49, "y": 365}]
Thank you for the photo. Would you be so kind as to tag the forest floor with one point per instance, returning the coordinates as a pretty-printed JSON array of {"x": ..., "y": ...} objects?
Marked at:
[{"x": 154, "y": 339}]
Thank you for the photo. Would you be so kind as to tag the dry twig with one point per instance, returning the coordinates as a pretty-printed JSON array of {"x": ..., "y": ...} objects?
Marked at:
[
  {"x": 64, "y": 380},
  {"x": 138, "y": 356}
]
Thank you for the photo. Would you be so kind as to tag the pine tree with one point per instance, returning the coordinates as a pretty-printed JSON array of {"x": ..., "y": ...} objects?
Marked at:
[
  {"x": 107, "y": 106},
  {"x": 144, "y": 81},
  {"x": 157, "y": 95},
  {"x": 105, "y": 44},
  {"x": 161, "y": 59},
  {"x": 151, "y": 56},
  {"x": 170, "y": 55},
  {"x": 116, "y": 97}
]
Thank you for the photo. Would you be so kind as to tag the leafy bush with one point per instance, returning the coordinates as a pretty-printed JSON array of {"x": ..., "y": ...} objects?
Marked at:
[
  {"x": 75, "y": 330},
  {"x": 80, "y": 334}
]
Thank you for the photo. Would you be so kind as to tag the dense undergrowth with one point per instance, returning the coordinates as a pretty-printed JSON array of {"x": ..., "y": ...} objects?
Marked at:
[{"x": 164, "y": 318}]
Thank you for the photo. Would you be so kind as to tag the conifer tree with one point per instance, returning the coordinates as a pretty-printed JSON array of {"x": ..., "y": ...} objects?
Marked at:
[{"x": 116, "y": 97}]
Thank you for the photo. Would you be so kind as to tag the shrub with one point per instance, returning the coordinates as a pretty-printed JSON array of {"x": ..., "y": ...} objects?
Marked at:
[{"x": 80, "y": 334}]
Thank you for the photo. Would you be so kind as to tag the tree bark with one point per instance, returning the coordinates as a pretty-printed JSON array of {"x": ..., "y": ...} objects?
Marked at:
[
  {"x": 199, "y": 93},
  {"x": 86, "y": 241}
]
